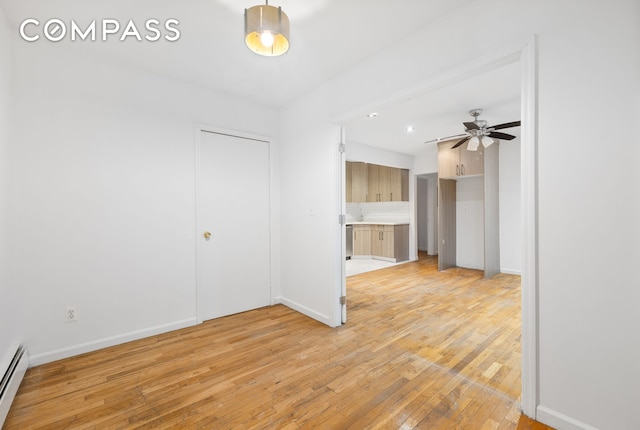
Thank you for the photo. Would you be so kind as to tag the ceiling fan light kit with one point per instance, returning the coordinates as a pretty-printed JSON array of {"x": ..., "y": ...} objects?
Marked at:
[
  {"x": 487, "y": 141},
  {"x": 473, "y": 143},
  {"x": 477, "y": 131},
  {"x": 266, "y": 30}
]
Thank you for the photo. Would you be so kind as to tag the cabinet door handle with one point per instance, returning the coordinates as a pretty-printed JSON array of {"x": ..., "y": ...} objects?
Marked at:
[
  {"x": 391, "y": 197},
  {"x": 462, "y": 169},
  {"x": 457, "y": 170}
]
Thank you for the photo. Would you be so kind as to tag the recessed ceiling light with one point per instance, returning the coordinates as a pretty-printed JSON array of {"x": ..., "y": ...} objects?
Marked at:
[
  {"x": 410, "y": 129},
  {"x": 372, "y": 115}
]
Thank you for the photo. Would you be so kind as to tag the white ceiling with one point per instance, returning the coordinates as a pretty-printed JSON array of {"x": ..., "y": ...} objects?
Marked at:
[
  {"x": 327, "y": 38},
  {"x": 441, "y": 112}
]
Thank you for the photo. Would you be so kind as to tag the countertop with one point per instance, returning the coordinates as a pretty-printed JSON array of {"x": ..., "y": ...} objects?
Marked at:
[{"x": 377, "y": 223}]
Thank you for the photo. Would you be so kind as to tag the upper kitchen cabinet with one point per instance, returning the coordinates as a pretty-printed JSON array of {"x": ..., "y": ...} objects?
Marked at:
[
  {"x": 378, "y": 182},
  {"x": 356, "y": 182},
  {"x": 387, "y": 184},
  {"x": 367, "y": 182},
  {"x": 459, "y": 162}
]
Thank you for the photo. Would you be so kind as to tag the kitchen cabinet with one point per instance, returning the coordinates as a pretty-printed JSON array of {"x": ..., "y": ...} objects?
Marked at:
[
  {"x": 362, "y": 239},
  {"x": 453, "y": 166},
  {"x": 387, "y": 242},
  {"x": 356, "y": 182},
  {"x": 382, "y": 241},
  {"x": 366, "y": 182},
  {"x": 387, "y": 184},
  {"x": 459, "y": 161}
]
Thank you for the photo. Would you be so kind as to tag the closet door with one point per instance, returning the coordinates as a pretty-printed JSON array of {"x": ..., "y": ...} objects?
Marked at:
[{"x": 446, "y": 223}]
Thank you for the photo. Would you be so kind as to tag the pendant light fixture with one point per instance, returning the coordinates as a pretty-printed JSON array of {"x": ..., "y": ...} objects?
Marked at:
[{"x": 266, "y": 30}]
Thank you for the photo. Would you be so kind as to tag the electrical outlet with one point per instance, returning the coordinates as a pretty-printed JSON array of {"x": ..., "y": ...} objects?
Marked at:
[{"x": 70, "y": 314}]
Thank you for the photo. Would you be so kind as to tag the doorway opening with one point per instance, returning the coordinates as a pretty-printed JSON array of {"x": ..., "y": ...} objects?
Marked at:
[{"x": 525, "y": 63}]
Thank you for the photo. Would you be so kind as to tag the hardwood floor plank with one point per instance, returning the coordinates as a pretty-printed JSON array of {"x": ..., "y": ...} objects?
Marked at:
[{"x": 422, "y": 350}]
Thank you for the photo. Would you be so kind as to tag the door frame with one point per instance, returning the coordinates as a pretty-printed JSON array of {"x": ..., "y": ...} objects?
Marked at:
[
  {"x": 208, "y": 128},
  {"x": 527, "y": 56}
]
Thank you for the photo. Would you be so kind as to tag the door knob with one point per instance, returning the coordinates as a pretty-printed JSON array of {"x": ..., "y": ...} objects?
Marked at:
[{"x": 207, "y": 235}]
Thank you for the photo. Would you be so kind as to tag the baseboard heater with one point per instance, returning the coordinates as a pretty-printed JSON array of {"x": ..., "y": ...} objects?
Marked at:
[{"x": 14, "y": 367}]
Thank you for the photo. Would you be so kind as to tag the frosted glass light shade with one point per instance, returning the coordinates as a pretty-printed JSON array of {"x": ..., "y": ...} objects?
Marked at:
[
  {"x": 262, "y": 19},
  {"x": 487, "y": 141},
  {"x": 473, "y": 144}
]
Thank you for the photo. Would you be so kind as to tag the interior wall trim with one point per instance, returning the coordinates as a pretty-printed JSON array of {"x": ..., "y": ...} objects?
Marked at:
[
  {"x": 81, "y": 348},
  {"x": 325, "y": 319},
  {"x": 557, "y": 420},
  {"x": 529, "y": 208}
]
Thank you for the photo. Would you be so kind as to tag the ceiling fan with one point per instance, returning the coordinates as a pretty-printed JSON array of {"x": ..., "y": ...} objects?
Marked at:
[{"x": 477, "y": 131}]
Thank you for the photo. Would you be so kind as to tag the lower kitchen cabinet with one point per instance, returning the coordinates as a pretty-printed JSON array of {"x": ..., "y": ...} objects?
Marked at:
[
  {"x": 362, "y": 239},
  {"x": 388, "y": 242}
]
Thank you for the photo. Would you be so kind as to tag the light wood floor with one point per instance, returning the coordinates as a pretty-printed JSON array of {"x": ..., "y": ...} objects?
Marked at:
[{"x": 421, "y": 350}]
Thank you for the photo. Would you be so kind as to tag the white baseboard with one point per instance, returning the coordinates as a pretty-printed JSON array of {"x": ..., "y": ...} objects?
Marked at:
[
  {"x": 82, "y": 348},
  {"x": 13, "y": 383},
  {"x": 324, "y": 319},
  {"x": 560, "y": 421},
  {"x": 511, "y": 271}
]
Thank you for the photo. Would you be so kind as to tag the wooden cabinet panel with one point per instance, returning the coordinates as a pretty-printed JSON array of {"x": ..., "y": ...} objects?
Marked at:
[
  {"x": 348, "y": 185},
  {"x": 362, "y": 240},
  {"x": 395, "y": 185},
  {"x": 459, "y": 161},
  {"x": 471, "y": 162},
  {"x": 366, "y": 182},
  {"x": 447, "y": 160},
  {"x": 446, "y": 223},
  {"x": 386, "y": 241},
  {"x": 401, "y": 242},
  {"x": 384, "y": 183},
  {"x": 359, "y": 182},
  {"x": 376, "y": 240},
  {"x": 404, "y": 185},
  {"x": 373, "y": 172},
  {"x": 387, "y": 184}
]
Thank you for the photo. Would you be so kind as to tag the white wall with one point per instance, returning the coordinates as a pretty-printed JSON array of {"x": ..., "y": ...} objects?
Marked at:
[
  {"x": 470, "y": 223},
  {"x": 8, "y": 298},
  {"x": 102, "y": 174},
  {"x": 510, "y": 212},
  {"x": 427, "y": 162},
  {"x": 588, "y": 199},
  {"x": 310, "y": 161},
  {"x": 370, "y": 154},
  {"x": 588, "y": 213}
]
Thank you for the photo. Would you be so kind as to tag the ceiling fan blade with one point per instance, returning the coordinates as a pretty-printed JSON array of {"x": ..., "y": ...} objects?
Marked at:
[
  {"x": 506, "y": 125},
  {"x": 460, "y": 142},
  {"x": 503, "y": 136},
  {"x": 444, "y": 139},
  {"x": 471, "y": 126}
]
